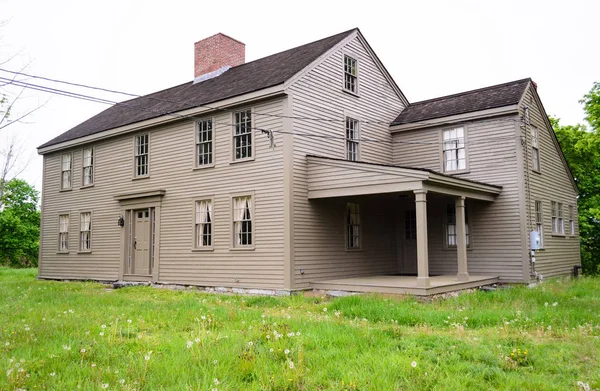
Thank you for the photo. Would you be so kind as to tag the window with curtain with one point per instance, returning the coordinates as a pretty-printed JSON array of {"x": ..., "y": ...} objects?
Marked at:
[
  {"x": 535, "y": 150},
  {"x": 204, "y": 142},
  {"x": 451, "y": 226},
  {"x": 141, "y": 155},
  {"x": 203, "y": 224},
  {"x": 352, "y": 225},
  {"x": 539, "y": 223},
  {"x": 63, "y": 233},
  {"x": 242, "y": 138},
  {"x": 352, "y": 139},
  {"x": 85, "y": 231},
  {"x": 66, "y": 170},
  {"x": 350, "y": 74},
  {"x": 454, "y": 149},
  {"x": 88, "y": 166},
  {"x": 242, "y": 221}
]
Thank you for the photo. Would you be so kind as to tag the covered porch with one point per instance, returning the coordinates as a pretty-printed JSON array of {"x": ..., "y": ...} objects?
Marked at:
[{"x": 408, "y": 190}]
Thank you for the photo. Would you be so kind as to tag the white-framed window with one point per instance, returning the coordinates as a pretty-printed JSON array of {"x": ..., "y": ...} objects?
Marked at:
[
  {"x": 535, "y": 150},
  {"x": 88, "y": 167},
  {"x": 454, "y": 151},
  {"x": 203, "y": 225},
  {"x": 242, "y": 137},
  {"x": 142, "y": 155},
  {"x": 63, "y": 233},
  {"x": 352, "y": 226},
  {"x": 204, "y": 142},
  {"x": 451, "y": 226},
  {"x": 558, "y": 225},
  {"x": 66, "y": 171},
  {"x": 350, "y": 74},
  {"x": 539, "y": 221},
  {"x": 352, "y": 139},
  {"x": 243, "y": 212},
  {"x": 571, "y": 220},
  {"x": 85, "y": 231},
  {"x": 410, "y": 224}
]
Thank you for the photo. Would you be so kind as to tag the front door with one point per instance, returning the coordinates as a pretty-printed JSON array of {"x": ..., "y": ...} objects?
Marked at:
[
  {"x": 140, "y": 243},
  {"x": 409, "y": 248}
]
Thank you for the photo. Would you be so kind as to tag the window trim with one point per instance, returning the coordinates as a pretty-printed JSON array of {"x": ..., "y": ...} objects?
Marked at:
[
  {"x": 539, "y": 223},
  {"x": 195, "y": 247},
  {"x": 557, "y": 215},
  {"x": 468, "y": 227},
  {"x": 58, "y": 249},
  {"x": 442, "y": 150},
  {"x": 232, "y": 245},
  {"x": 359, "y": 247},
  {"x": 62, "y": 188},
  {"x": 147, "y": 175},
  {"x": 572, "y": 220},
  {"x": 195, "y": 165},
  {"x": 347, "y": 117},
  {"x": 83, "y": 186},
  {"x": 355, "y": 58},
  {"x": 79, "y": 231},
  {"x": 536, "y": 147},
  {"x": 252, "y": 136}
]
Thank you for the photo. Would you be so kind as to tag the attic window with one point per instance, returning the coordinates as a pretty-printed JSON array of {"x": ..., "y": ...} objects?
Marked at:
[{"x": 350, "y": 74}]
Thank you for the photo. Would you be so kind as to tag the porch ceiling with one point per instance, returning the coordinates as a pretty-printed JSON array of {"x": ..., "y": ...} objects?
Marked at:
[{"x": 329, "y": 177}]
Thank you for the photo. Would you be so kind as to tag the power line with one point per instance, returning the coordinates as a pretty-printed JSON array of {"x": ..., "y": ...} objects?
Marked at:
[
  {"x": 192, "y": 105},
  {"x": 263, "y": 130}
]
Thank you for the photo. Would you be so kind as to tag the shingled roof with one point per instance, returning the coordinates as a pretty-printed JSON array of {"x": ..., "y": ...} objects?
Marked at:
[
  {"x": 465, "y": 102},
  {"x": 249, "y": 77}
]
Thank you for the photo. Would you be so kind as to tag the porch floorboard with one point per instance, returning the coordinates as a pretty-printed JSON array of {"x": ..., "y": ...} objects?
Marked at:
[{"x": 405, "y": 285}]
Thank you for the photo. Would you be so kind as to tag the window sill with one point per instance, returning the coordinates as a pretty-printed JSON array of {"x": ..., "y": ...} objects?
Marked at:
[
  {"x": 84, "y": 252},
  {"x": 203, "y": 167},
  {"x": 86, "y": 186},
  {"x": 62, "y": 252},
  {"x": 65, "y": 190},
  {"x": 245, "y": 248},
  {"x": 539, "y": 172},
  {"x": 559, "y": 235},
  {"x": 457, "y": 172},
  {"x": 246, "y": 159},
  {"x": 446, "y": 248},
  {"x": 201, "y": 250},
  {"x": 137, "y": 178},
  {"x": 354, "y": 250},
  {"x": 355, "y": 94}
]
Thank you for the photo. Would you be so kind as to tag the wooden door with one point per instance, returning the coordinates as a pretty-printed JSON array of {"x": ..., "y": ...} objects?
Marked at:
[
  {"x": 409, "y": 256},
  {"x": 141, "y": 243}
]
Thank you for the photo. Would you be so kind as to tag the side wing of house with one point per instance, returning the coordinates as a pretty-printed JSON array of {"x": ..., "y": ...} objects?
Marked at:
[
  {"x": 550, "y": 193},
  {"x": 170, "y": 203},
  {"x": 318, "y": 240}
]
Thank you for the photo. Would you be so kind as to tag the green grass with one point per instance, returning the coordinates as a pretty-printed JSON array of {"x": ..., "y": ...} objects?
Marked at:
[{"x": 68, "y": 336}]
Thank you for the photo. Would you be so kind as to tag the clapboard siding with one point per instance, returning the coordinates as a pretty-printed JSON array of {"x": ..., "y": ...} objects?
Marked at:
[
  {"x": 560, "y": 253},
  {"x": 171, "y": 169},
  {"x": 495, "y": 227},
  {"x": 319, "y": 241}
]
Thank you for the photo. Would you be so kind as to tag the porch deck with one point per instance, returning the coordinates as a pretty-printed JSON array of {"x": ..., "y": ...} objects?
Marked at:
[{"x": 403, "y": 284}]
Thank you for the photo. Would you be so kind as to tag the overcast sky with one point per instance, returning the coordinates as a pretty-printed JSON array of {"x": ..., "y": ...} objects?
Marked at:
[{"x": 431, "y": 48}]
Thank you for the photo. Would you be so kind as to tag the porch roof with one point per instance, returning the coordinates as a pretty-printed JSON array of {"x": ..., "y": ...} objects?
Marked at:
[{"x": 330, "y": 177}]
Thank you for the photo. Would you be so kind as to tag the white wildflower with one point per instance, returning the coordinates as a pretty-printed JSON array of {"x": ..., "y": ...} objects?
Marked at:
[
  {"x": 66, "y": 347},
  {"x": 102, "y": 333},
  {"x": 189, "y": 344},
  {"x": 52, "y": 374},
  {"x": 128, "y": 320},
  {"x": 105, "y": 385},
  {"x": 103, "y": 326},
  {"x": 216, "y": 381},
  {"x": 147, "y": 358},
  {"x": 554, "y": 304},
  {"x": 271, "y": 350},
  {"x": 122, "y": 381},
  {"x": 413, "y": 364},
  {"x": 82, "y": 350},
  {"x": 546, "y": 304},
  {"x": 291, "y": 365},
  {"x": 250, "y": 344},
  {"x": 216, "y": 362},
  {"x": 325, "y": 309},
  {"x": 197, "y": 340},
  {"x": 297, "y": 333},
  {"x": 287, "y": 351}
]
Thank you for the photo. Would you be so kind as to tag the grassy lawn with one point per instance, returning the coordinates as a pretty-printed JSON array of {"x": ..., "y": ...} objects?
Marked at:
[{"x": 68, "y": 336}]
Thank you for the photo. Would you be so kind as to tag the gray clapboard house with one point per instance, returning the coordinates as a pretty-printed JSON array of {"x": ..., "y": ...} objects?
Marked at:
[{"x": 306, "y": 169}]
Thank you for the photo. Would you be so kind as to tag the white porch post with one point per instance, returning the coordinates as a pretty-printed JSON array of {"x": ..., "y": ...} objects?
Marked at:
[
  {"x": 461, "y": 240},
  {"x": 422, "y": 253}
]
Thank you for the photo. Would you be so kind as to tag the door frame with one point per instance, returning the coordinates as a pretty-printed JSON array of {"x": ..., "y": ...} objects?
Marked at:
[
  {"x": 151, "y": 200},
  {"x": 132, "y": 232}
]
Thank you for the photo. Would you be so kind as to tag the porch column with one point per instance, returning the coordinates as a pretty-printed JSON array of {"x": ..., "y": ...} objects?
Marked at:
[
  {"x": 422, "y": 253},
  {"x": 461, "y": 239}
]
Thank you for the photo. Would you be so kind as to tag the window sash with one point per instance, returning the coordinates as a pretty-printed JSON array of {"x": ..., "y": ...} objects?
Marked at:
[
  {"x": 66, "y": 170},
  {"x": 539, "y": 224},
  {"x": 204, "y": 142},
  {"x": 243, "y": 134},
  {"x": 454, "y": 151},
  {"x": 141, "y": 155},
  {"x": 571, "y": 220},
  {"x": 352, "y": 139},
  {"x": 350, "y": 74},
  {"x": 85, "y": 231},
  {"x": 558, "y": 224},
  {"x": 63, "y": 232},
  {"x": 352, "y": 226},
  {"x": 242, "y": 221},
  {"x": 203, "y": 223},
  {"x": 88, "y": 166}
]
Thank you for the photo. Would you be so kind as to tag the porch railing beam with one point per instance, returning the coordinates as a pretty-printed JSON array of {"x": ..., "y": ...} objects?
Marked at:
[{"x": 422, "y": 251}]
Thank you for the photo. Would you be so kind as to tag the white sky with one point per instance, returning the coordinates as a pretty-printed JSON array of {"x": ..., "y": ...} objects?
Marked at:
[{"x": 431, "y": 48}]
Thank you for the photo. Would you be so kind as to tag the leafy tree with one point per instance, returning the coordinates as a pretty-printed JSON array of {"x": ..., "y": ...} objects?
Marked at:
[
  {"x": 19, "y": 225},
  {"x": 582, "y": 150}
]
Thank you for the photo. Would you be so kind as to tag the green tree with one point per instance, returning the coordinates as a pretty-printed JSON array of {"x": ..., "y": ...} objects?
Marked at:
[
  {"x": 19, "y": 225},
  {"x": 581, "y": 147}
]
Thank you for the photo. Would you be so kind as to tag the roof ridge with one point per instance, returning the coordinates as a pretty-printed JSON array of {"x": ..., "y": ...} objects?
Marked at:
[{"x": 470, "y": 91}]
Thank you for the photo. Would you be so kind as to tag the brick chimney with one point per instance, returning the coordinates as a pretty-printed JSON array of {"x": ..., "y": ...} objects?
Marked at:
[{"x": 214, "y": 55}]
